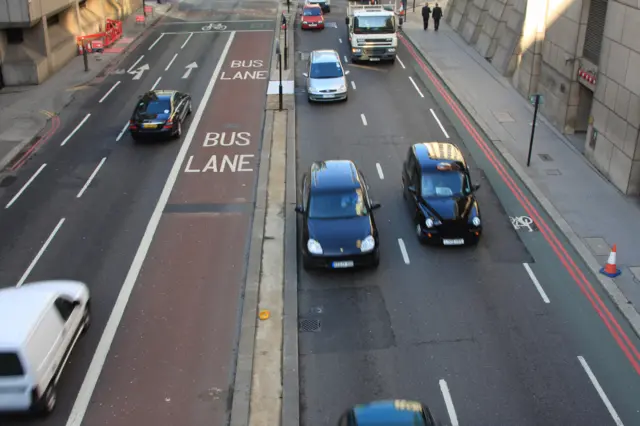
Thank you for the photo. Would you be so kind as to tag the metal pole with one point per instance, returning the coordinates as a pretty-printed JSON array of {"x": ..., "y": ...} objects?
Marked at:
[
  {"x": 414, "y": 5},
  {"x": 144, "y": 11},
  {"x": 288, "y": 6},
  {"x": 286, "y": 48},
  {"x": 533, "y": 128},
  {"x": 85, "y": 56},
  {"x": 280, "y": 88}
]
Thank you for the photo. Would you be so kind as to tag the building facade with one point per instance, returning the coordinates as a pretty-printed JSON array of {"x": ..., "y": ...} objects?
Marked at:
[
  {"x": 582, "y": 55},
  {"x": 38, "y": 37}
]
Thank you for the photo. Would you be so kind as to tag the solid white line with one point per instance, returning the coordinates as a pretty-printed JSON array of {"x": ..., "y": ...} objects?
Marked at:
[
  {"x": 171, "y": 62},
  {"x": 40, "y": 253},
  {"x": 186, "y": 41},
  {"x": 156, "y": 83},
  {"x": 379, "y": 167},
  {"x": 124, "y": 129},
  {"x": 416, "y": 87},
  {"x": 401, "y": 63},
  {"x": 403, "y": 249},
  {"x": 31, "y": 179},
  {"x": 156, "y": 42},
  {"x": 93, "y": 175},
  {"x": 340, "y": 40},
  {"x": 364, "y": 119},
  {"x": 353, "y": 84},
  {"x": 449, "y": 402},
  {"x": 536, "y": 283},
  {"x": 100, "y": 355},
  {"x": 134, "y": 64},
  {"x": 109, "y": 92},
  {"x": 86, "y": 117},
  {"x": 439, "y": 123},
  {"x": 603, "y": 396}
]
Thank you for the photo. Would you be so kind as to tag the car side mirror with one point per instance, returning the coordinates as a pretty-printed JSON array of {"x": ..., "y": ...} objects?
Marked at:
[
  {"x": 347, "y": 72},
  {"x": 375, "y": 206},
  {"x": 411, "y": 189},
  {"x": 299, "y": 209},
  {"x": 305, "y": 74},
  {"x": 476, "y": 186}
]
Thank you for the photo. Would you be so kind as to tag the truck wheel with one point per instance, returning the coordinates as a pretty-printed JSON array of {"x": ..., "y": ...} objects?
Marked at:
[{"x": 393, "y": 61}]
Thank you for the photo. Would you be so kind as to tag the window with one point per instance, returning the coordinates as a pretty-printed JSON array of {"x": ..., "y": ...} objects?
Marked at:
[
  {"x": 154, "y": 106},
  {"x": 10, "y": 365},
  {"x": 444, "y": 184},
  {"x": 65, "y": 307},
  {"x": 326, "y": 70},
  {"x": 53, "y": 20},
  {"x": 595, "y": 30},
  {"x": 337, "y": 205},
  {"x": 374, "y": 24},
  {"x": 410, "y": 166},
  {"x": 312, "y": 11},
  {"x": 14, "y": 35}
]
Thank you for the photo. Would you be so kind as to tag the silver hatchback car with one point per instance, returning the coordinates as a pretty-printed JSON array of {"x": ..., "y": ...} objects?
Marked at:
[{"x": 326, "y": 78}]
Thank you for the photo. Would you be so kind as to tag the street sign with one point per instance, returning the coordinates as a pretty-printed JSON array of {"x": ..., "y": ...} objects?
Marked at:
[
  {"x": 148, "y": 9},
  {"x": 532, "y": 99}
]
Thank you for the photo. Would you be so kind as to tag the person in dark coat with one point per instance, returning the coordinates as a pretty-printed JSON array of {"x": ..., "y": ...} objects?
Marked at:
[
  {"x": 426, "y": 11},
  {"x": 437, "y": 15}
]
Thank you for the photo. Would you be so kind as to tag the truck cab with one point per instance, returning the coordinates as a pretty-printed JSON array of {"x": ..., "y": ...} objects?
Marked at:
[{"x": 372, "y": 33}]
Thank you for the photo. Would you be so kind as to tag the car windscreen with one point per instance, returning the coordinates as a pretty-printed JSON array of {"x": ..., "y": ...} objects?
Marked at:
[
  {"x": 312, "y": 11},
  {"x": 337, "y": 205},
  {"x": 444, "y": 184},
  {"x": 155, "y": 107},
  {"x": 326, "y": 70},
  {"x": 10, "y": 365},
  {"x": 374, "y": 24}
]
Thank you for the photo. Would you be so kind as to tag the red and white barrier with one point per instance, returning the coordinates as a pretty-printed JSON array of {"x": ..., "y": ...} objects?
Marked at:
[{"x": 587, "y": 76}]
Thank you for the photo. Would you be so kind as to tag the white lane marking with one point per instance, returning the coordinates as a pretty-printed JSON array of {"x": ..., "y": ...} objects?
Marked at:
[
  {"x": 403, "y": 249},
  {"x": 439, "y": 123},
  {"x": 364, "y": 119},
  {"x": 109, "y": 92},
  {"x": 346, "y": 59},
  {"x": 93, "y": 175},
  {"x": 444, "y": 388},
  {"x": 401, "y": 63},
  {"x": 31, "y": 179},
  {"x": 40, "y": 253},
  {"x": 379, "y": 167},
  {"x": 171, "y": 62},
  {"x": 124, "y": 129},
  {"x": 156, "y": 83},
  {"x": 86, "y": 117},
  {"x": 186, "y": 41},
  {"x": 134, "y": 64},
  {"x": 156, "y": 42},
  {"x": 416, "y": 87},
  {"x": 340, "y": 40},
  {"x": 536, "y": 283},
  {"x": 603, "y": 396},
  {"x": 100, "y": 355},
  {"x": 353, "y": 84}
]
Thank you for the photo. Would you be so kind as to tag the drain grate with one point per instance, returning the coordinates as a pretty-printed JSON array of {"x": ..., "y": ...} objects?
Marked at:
[
  {"x": 545, "y": 157},
  {"x": 309, "y": 325}
]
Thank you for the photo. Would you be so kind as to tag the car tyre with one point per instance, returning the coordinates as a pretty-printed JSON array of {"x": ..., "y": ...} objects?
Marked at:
[
  {"x": 306, "y": 264},
  {"x": 393, "y": 61},
  {"x": 190, "y": 110},
  {"x": 419, "y": 233},
  {"x": 49, "y": 401},
  {"x": 309, "y": 99},
  {"x": 376, "y": 260},
  {"x": 179, "y": 130},
  {"x": 86, "y": 320}
]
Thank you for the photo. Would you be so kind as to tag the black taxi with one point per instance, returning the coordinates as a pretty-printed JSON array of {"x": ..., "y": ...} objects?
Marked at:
[
  {"x": 397, "y": 412},
  {"x": 339, "y": 230},
  {"x": 160, "y": 113},
  {"x": 437, "y": 186}
]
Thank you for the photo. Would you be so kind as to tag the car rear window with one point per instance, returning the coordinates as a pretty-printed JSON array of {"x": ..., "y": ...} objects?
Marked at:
[
  {"x": 159, "y": 106},
  {"x": 312, "y": 11},
  {"x": 337, "y": 205},
  {"x": 10, "y": 365}
]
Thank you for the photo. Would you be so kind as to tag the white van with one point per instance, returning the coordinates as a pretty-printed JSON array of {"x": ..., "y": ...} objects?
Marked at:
[{"x": 40, "y": 324}]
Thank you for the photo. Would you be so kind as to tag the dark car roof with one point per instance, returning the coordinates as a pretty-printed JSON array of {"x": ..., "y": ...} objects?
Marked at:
[
  {"x": 392, "y": 412},
  {"x": 430, "y": 154},
  {"x": 163, "y": 95},
  {"x": 334, "y": 175}
]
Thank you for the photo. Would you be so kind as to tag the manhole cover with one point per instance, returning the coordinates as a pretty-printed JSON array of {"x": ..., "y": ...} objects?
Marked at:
[
  {"x": 545, "y": 157},
  {"x": 309, "y": 325}
]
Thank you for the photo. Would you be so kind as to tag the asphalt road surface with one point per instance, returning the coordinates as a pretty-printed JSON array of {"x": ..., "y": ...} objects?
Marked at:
[
  {"x": 160, "y": 229},
  {"x": 498, "y": 334}
]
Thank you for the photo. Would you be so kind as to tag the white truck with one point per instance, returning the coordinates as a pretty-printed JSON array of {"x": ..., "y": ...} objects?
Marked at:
[{"x": 372, "y": 32}]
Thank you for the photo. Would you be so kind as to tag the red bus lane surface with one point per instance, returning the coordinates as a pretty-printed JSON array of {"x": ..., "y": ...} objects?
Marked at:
[{"x": 173, "y": 358}]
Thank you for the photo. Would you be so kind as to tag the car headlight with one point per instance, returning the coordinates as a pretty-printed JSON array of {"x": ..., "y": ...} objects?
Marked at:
[
  {"x": 432, "y": 222},
  {"x": 475, "y": 221},
  {"x": 314, "y": 247},
  {"x": 312, "y": 89},
  {"x": 356, "y": 50},
  {"x": 391, "y": 49},
  {"x": 342, "y": 88},
  {"x": 368, "y": 244}
]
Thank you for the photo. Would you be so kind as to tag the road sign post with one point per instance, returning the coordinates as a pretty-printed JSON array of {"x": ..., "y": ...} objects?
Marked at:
[{"x": 536, "y": 100}]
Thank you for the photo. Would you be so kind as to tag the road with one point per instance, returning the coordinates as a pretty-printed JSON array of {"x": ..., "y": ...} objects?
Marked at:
[
  {"x": 503, "y": 331},
  {"x": 159, "y": 231}
]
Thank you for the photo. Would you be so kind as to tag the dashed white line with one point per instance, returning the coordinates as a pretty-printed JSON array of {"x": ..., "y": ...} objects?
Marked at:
[
  {"x": 353, "y": 84},
  {"x": 416, "y": 87},
  {"x": 364, "y": 119},
  {"x": 156, "y": 83},
  {"x": 603, "y": 396},
  {"x": 64, "y": 142},
  {"x": 93, "y": 175},
  {"x": 31, "y": 179},
  {"x": 40, "y": 253},
  {"x": 536, "y": 283},
  {"x": 340, "y": 40},
  {"x": 403, "y": 249},
  {"x": 132, "y": 67},
  {"x": 379, "y": 167},
  {"x": 439, "y": 123},
  {"x": 109, "y": 92},
  {"x": 156, "y": 42},
  {"x": 346, "y": 59},
  {"x": 401, "y": 63},
  {"x": 186, "y": 41},
  {"x": 124, "y": 129},
  {"x": 171, "y": 62},
  {"x": 444, "y": 388}
]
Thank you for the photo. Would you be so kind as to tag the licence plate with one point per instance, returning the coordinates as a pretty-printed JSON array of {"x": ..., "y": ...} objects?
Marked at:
[
  {"x": 456, "y": 242},
  {"x": 149, "y": 126},
  {"x": 343, "y": 264},
  {"x": 313, "y": 25},
  {"x": 374, "y": 59},
  {"x": 327, "y": 96}
]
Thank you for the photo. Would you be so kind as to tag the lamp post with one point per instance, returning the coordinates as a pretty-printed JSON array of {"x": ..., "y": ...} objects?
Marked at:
[
  {"x": 286, "y": 48},
  {"x": 280, "y": 69},
  {"x": 288, "y": 6},
  {"x": 144, "y": 11}
]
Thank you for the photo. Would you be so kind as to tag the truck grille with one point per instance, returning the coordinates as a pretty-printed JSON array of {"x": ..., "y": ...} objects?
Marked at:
[{"x": 376, "y": 51}]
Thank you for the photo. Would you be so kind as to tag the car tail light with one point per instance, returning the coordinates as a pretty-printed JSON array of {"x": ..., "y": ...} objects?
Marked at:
[
  {"x": 168, "y": 124},
  {"x": 132, "y": 125}
]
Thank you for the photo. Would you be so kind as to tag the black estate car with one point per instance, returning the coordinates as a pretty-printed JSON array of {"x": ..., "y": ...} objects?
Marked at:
[
  {"x": 160, "y": 113},
  {"x": 339, "y": 230},
  {"x": 438, "y": 189}
]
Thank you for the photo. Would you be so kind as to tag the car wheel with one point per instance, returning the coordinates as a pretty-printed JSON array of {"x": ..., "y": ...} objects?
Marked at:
[
  {"x": 309, "y": 99},
  {"x": 179, "y": 130},
  {"x": 393, "y": 61},
  {"x": 190, "y": 110},
  {"x": 306, "y": 265},
  {"x": 48, "y": 401},
  {"x": 419, "y": 233},
  {"x": 86, "y": 320},
  {"x": 376, "y": 260}
]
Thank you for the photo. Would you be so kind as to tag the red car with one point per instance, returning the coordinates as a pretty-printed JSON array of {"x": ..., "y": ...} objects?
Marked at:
[{"x": 312, "y": 17}]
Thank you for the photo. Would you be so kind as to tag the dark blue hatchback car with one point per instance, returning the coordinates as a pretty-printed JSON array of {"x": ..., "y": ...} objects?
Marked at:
[{"x": 397, "y": 412}]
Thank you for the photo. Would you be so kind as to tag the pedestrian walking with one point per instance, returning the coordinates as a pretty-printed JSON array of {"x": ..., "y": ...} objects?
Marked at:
[
  {"x": 437, "y": 15},
  {"x": 426, "y": 11}
]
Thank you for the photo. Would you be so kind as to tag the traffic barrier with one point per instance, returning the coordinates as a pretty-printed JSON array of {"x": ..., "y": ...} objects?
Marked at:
[
  {"x": 610, "y": 268},
  {"x": 98, "y": 41},
  {"x": 140, "y": 19}
]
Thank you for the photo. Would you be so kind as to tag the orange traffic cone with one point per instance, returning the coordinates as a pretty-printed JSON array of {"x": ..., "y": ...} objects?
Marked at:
[{"x": 610, "y": 268}]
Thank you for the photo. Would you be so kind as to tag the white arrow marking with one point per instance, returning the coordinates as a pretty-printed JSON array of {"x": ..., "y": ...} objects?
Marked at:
[
  {"x": 189, "y": 68},
  {"x": 138, "y": 73}
]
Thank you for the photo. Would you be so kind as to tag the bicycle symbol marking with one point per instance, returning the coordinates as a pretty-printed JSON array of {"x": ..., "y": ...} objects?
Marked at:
[
  {"x": 214, "y": 26},
  {"x": 520, "y": 222}
]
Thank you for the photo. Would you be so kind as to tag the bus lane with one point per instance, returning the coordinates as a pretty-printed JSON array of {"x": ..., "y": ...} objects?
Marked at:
[{"x": 173, "y": 359}]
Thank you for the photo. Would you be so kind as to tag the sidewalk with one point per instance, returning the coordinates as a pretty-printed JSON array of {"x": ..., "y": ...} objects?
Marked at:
[
  {"x": 26, "y": 110},
  {"x": 589, "y": 210}
]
